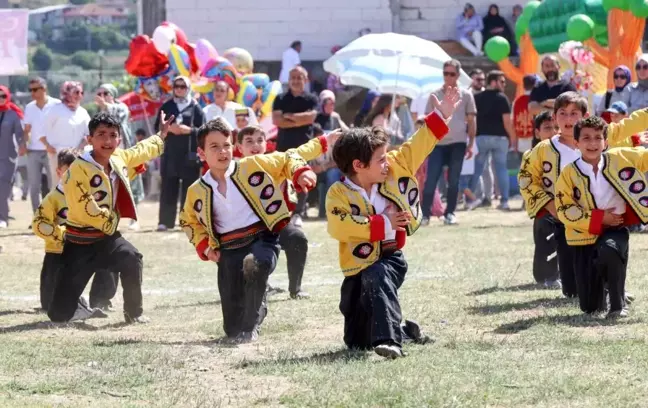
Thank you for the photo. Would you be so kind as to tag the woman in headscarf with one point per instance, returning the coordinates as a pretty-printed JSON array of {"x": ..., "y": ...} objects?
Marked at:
[
  {"x": 639, "y": 90},
  {"x": 496, "y": 25},
  {"x": 179, "y": 164},
  {"x": 106, "y": 100},
  {"x": 11, "y": 136},
  {"x": 621, "y": 91},
  {"x": 369, "y": 102},
  {"x": 66, "y": 125}
]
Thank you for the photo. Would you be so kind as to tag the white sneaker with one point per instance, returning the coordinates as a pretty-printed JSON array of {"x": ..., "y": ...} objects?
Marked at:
[
  {"x": 504, "y": 206},
  {"x": 134, "y": 226},
  {"x": 450, "y": 219},
  {"x": 3, "y": 224},
  {"x": 473, "y": 204},
  {"x": 162, "y": 228},
  {"x": 297, "y": 221}
]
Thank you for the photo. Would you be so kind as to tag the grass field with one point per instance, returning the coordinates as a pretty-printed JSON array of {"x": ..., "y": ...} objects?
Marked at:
[{"x": 501, "y": 341}]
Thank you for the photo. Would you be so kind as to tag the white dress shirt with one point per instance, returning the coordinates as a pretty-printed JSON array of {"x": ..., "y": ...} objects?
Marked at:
[
  {"x": 35, "y": 117},
  {"x": 289, "y": 60},
  {"x": 231, "y": 212},
  {"x": 379, "y": 203},
  {"x": 605, "y": 195},
  {"x": 568, "y": 155},
  {"x": 65, "y": 128},
  {"x": 213, "y": 111}
]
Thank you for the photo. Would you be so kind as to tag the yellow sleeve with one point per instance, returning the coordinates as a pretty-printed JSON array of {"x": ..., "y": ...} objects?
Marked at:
[
  {"x": 411, "y": 154},
  {"x": 638, "y": 156},
  {"x": 44, "y": 222},
  {"x": 313, "y": 149},
  {"x": 146, "y": 150},
  {"x": 76, "y": 186},
  {"x": 570, "y": 212},
  {"x": 345, "y": 224},
  {"x": 618, "y": 133},
  {"x": 194, "y": 229},
  {"x": 530, "y": 181},
  {"x": 281, "y": 165}
]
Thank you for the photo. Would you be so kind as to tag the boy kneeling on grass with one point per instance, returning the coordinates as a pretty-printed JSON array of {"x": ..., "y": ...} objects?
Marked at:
[
  {"x": 370, "y": 212},
  {"x": 233, "y": 215},
  {"x": 598, "y": 197}
]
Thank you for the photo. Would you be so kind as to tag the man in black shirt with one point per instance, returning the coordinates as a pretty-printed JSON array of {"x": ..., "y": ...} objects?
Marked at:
[
  {"x": 543, "y": 96},
  {"x": 294, "y": 112},
  {"x": 495, "y": 133}
]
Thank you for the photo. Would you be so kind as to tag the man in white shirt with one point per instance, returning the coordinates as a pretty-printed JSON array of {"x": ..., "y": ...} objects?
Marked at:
[
  {"x": 37, "y": 159},
  {"x": 222, "y": 108},
  {"x": 289, "y": 60}
]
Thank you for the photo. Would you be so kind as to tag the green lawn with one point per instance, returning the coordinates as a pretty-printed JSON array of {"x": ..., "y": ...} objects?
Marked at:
[{"x": 501, "y": 341}]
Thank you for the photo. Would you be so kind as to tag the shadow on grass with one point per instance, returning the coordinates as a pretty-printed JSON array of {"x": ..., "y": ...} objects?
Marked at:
[
  {"x": 493, "y": 226},
  {"x": 579, "y": 320},
  {"x": 328, "y": 357},
  {"x": 222, "y": 342},
  {"x": 46, "y": 325},
  {"x": 271, "y": 299},
  {"x": 528, "y": 305},
  {"x": 17, "y": 312},
  {"x": 498, "y": 288}
]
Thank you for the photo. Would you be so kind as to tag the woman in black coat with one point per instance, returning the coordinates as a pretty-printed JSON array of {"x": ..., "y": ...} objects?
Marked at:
[
  {"x": 179, "y": 166},
  {"x": 496, "y": 25}
]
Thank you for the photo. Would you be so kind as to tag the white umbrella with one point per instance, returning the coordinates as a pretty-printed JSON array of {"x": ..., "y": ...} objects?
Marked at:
[{"x": 392, "y": 63}]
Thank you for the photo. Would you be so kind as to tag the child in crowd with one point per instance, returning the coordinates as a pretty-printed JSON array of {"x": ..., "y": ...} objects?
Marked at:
[
  {"x": 598, "y": 196},
  {"x": 97, "y": 192},
  {"x": 540, "y": 170},
  {"x": 233, "y": 215},
  {"x": 370, "y": 212},
  {"x": 252, "y": 141}
]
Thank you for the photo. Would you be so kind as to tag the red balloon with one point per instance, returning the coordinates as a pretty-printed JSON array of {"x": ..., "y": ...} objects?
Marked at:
[
  {"x": 182, "y": 41},
  {"x": 144, "y": 60}
]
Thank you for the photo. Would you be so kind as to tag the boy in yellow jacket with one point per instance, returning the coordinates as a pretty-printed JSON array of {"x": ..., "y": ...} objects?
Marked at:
[
  {"x": 252, "y": 141},
  {"x": 370, "y": 212},
  {"x": 540, "y": 170},
  {"x": 233, "y": 215},
  {"x": 97, "y": 192},
  {"x": 597, "y": 197}
]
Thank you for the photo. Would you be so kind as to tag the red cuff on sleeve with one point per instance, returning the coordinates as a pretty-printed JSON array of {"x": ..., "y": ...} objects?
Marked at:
[
  {"x": 401, "y": 236},
  {"x": 596, "y": 222},
  {"x": 437, "y": 125},
  {"x": 298, "y": 173},
  {"x": 201, "y": 248},
  {"x": 324, "y": 142},
  {"x": 140, "y": 169},
  {"x": 636, "y": 140},
  {"x": 376, "y": 228}
]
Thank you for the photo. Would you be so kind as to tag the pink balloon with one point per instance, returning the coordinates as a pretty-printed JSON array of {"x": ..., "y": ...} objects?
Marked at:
[{"x": 205, "y": 52}]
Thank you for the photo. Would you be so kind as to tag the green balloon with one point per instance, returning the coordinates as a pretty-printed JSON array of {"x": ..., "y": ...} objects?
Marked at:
[
  {"x": 616, "y": 4},
  {"x": 639, "y": 8},
  {"x": 519, "y": 32},
  {"x": 531, "y": 7},
  {"x": 497, "y": 48},
  {"x": 523, "y": 22},
  {"x": 580, "y": 28}
]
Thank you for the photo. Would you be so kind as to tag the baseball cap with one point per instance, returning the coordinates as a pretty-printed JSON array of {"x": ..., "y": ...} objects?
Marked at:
[{"x": 618, "y": 107}]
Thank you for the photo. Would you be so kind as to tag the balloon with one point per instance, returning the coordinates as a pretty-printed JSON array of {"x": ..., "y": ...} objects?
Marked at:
[
  {"x": 580, "y": 27},
  {"x": 222, "y": 69},
  {"x": 179, "y": 60},
  {"x": 203, "y": 86},
  {"x": 163, "y": 37},
  {"x": 639, "y": 8},
  {"x": 617, "y": 4},
  {"x": 155, "y": 88},
  {"x": 144, "y": 60},
  {"x": 270, "y": 92},
  {"x": 258, "y": 80},
  {"x": 247, "y": 94},
  {"x": 522, "y": 23},
  {"x": 531, "y": 7},
  {"x": 205, "y": 51},
  {"x": 519, "y": 31},
  {"x": 241, "y": 59},
  {"x": 179, "y": 35},
  {"x": 497, "y": 48}
]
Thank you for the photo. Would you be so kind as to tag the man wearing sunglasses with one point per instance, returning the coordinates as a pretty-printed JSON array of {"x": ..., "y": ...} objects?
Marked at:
[
  {"x": 37, "y": 160},
  {"x": 543, "y": 95},
  {"x": 639, "y": 89}
]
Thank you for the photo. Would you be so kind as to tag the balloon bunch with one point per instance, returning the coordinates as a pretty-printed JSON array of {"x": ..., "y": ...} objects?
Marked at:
[{"x": 156, "y": 61}]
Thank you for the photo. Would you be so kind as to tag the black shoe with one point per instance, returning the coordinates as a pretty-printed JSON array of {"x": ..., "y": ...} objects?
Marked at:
[
  {"x": 247, "y": 337},
  {"x": 617, "y": 314},
  {"x": 390, "y": 351},
  {"x": 272, "y": 290},
  {"x": 412, "y": 330},
  {"x": 139, "y": 319}
]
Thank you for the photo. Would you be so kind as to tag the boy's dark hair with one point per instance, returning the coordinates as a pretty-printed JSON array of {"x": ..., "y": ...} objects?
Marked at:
[
  {"x": 529, "y": 82},
  {"x": 249, "y": 131},
  {"x": 541, "y": 118},
  {"x": 106, "y": 119},
  {"x": 592, "y": 122},
  {"x": 358, "y": 144},
  {"x": 317, "y": 130},
  {"x": 570, "y": 98},
  {"x": 215, "y": 125},
  {"x": 494, "y": 75},
  {"x": 140, "y": 132},
  {"x": 66, "y": 156}
]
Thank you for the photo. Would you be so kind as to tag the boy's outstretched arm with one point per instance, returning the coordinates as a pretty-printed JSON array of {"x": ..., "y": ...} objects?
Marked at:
[
  {"x": 149, "y": 148},
  {"x": 618, "y": 133}
]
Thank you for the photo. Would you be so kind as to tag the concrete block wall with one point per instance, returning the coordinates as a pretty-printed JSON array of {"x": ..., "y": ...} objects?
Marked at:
[{"x": 266, "y": 27}]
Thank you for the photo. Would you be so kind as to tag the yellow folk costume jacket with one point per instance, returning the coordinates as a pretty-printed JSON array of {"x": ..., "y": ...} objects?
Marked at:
[
  {"x": 89, "y": 192},
  {"x": 353, "y": 221},
  {"x": 50, "y": 217},
  {"x": 540, "y": 169},
  {"x": 258, "y": 178},
  {"x": 624, "y": 169}
]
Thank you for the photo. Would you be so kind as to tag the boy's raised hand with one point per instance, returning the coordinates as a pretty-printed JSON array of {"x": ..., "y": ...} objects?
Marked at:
[
  {"x": 307, "y": 180},
  {"x": 449, "y": 102},
  {"x": 165, "y": 124},
  {"x": 332, "y": 137}
]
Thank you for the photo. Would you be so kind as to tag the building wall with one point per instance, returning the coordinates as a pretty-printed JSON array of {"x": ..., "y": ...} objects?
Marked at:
[{"x": 266, "y": 27}]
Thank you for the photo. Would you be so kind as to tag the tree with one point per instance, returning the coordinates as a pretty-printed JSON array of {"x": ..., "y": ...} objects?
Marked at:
[
  {"x": 79, "y": 2},
  {"x": 42, "y": 59}
]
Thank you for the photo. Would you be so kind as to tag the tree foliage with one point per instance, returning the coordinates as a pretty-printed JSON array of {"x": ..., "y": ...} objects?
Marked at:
[{"x": 42, "y": 59}]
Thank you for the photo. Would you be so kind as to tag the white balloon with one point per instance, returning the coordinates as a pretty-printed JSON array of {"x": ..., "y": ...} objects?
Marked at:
[{"x": 163, "y": 37}]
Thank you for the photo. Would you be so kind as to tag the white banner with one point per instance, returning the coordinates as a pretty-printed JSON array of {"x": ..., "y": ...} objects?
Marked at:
[{"x": 13, "y": 41}]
